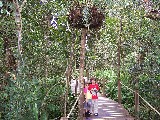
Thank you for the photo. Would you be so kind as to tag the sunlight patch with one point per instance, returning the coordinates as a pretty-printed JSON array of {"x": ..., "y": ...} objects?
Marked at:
[
  {"x": 111, "y": 111},
  {"x": 118, "y": 115},
  {"x": 107, "y": 109},
  {"x": 108, "y": 117}
]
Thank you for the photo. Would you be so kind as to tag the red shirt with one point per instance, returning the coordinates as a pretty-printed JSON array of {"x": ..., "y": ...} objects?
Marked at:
[{"x": 94, "y": 89}]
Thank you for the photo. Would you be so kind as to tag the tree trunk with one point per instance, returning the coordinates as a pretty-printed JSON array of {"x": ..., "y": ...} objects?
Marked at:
[
  {"x": 138, "y": 61},
  {"x": 46, "y": 56},
  {"x": 69, "y": 73},
  {"x": 81, "y": 71},
  {"x": 18, "y": 21},
  {"x": 119, "y": 64}
]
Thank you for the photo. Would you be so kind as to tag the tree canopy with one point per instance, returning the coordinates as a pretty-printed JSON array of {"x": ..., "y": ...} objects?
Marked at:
[{"x": 38, "y": 46}]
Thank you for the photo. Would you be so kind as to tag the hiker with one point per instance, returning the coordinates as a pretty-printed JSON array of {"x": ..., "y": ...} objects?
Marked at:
[
  {"x": 94, "y": 88},
  {"x": 88, "y": 100}
]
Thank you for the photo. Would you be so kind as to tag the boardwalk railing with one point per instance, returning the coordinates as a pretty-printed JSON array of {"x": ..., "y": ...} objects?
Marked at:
[
  {"x": 136, "y": 105},
  {"x": 73, "y": 107}
]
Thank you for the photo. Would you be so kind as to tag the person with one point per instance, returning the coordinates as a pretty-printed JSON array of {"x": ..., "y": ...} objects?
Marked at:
[
  {"x": 94, "y": 88},
  {"x": 88, "y": 100}
]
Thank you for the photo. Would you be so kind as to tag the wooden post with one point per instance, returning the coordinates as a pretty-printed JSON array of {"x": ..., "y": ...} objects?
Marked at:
[
  {"x": 119, "y": 64},
  {"x": 81, "y": 71},
  {"x": 65, "y": 105},
  {"x": 103, "y": 89},
  {"x": 66, "y": 97},
  {"x": 137, "y": 104},
  {"x": 119, "y": 92},
  {"x": 76, "y": 87}
]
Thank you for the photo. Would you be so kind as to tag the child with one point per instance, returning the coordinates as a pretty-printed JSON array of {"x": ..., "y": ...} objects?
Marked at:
[
  {"x": 88, "y": 100},
  {"x": 94, "y": 90}
]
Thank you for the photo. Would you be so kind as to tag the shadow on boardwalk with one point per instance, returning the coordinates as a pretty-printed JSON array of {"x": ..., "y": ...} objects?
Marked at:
[{"x": 110, "y": 110}]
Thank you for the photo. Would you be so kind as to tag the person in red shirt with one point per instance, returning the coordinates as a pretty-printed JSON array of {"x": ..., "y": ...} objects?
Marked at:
[{"x": 94, "y": 88}]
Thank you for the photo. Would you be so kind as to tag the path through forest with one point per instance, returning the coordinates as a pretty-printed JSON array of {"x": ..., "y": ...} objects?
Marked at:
[{"x": 110, "y": 110}]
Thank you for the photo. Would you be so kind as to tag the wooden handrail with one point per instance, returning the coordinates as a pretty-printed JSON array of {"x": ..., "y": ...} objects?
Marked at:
[
  {"x": 142, "y": 98},
  {"x": 66, "y": 118}
]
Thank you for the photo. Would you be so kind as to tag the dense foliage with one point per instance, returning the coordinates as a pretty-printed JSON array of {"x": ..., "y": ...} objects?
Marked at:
[
  {"x": 139, "y": 57},
  {"x": 33, "y": 86}
]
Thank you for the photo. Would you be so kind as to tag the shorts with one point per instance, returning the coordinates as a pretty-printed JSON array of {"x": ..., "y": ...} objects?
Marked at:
[{"x": 87, "y": 105}]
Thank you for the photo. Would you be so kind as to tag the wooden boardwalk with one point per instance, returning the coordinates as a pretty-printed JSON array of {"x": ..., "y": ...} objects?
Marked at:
[{"x": 110, "y": 110}]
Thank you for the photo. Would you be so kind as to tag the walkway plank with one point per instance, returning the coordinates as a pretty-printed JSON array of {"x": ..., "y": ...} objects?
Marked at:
[{"x": 110, "y": 110}]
